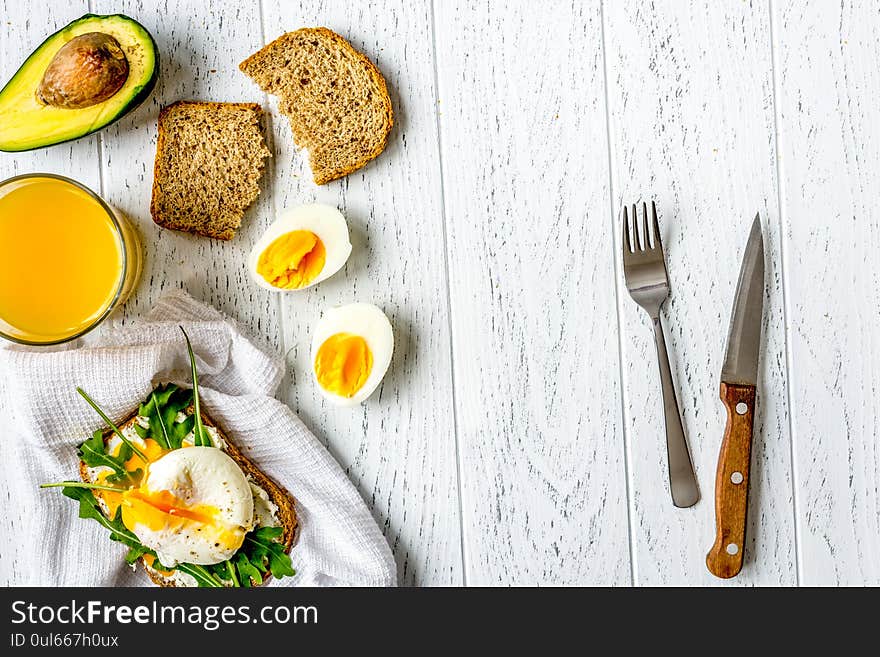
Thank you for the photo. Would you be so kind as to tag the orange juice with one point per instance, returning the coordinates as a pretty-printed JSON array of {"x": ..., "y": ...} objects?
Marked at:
[{"x": 62, "y": 259}]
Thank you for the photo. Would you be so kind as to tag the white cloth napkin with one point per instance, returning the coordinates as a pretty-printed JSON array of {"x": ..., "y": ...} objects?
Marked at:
[{"x": 42, "y": 419}]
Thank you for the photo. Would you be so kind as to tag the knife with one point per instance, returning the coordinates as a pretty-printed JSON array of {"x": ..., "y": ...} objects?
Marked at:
[{"x": 739, "y": 376}]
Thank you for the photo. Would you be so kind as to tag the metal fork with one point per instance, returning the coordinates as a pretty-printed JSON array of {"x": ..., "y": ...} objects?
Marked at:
[{"x": 648, "y": 283}]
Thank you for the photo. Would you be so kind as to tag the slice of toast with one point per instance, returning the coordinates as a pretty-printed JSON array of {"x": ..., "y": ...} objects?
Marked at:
[
  {"x": 334, "y": 96},
  {"x": 209, "y": 160},
  {"x": 278, "y": 495}
]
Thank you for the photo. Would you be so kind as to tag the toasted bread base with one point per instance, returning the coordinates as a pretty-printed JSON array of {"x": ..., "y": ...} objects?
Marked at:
[{"x": 280, "y": 497}]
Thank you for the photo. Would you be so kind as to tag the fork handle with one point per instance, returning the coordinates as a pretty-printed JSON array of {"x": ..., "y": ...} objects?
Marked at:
[{"x": 682, "y": 480}]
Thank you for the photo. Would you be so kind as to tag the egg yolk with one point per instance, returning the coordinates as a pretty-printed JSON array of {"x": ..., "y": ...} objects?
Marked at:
[
  {"x": 152, "y": 562},
  {"x": 156, "y": 509},
  {"x": 343, "y": 364},
  {"x": 151, "y": 449},
  {"x": 163, "y": 511},
  {"x": 293, "y": 260}
]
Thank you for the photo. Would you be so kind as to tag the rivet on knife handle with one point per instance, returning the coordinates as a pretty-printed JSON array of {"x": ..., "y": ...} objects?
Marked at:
[{"x": 725, "y": 559}]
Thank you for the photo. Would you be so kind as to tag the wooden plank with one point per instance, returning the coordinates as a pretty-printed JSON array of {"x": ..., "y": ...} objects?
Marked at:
[
  {"x": 200, "y": 48},
  {"x": 532, "y": 285},
  {"x": 399, "y": 447},
  {"x": 692, "y": 126},
  {"x": 828, "y": 84},
  {"x": 23, "y": 27}
]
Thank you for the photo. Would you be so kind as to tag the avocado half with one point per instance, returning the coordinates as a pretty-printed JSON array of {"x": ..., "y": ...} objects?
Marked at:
[{"x": 27, "y": 122}]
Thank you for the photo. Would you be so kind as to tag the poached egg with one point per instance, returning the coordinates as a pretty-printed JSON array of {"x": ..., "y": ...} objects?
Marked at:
[{"x": 194, "y": 505}]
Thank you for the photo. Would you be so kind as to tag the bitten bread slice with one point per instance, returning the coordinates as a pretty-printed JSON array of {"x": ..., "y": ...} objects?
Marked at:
[
  {"x": 335, "y": 98},
  {"x": 209, "y": 159},
  {"x": 279, "y": 496}
]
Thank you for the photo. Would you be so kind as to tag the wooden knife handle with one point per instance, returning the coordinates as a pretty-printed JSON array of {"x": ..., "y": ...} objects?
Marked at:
[{"x": 732, "y": 481}]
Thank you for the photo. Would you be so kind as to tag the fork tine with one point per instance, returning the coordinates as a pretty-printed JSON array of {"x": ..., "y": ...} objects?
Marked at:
[
  {"x": 626, "y": 240},
  {"x": 637, "y": 238},
  {"x": 649, "y": 241},
  {"x": 657, "y": 241}
]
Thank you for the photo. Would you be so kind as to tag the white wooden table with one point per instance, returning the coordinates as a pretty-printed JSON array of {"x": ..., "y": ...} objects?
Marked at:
[{"x": 517, "y": 438}]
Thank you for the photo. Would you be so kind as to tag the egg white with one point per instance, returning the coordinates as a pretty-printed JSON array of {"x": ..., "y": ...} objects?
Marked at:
[
  {"x": 325, "y": 221},
  {"x": 198, "y": 476},
  {"x": 367, "y": 321}
]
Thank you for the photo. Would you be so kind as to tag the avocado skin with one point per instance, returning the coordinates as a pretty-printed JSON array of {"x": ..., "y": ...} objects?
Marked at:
[{"x": 140, "y": 96}]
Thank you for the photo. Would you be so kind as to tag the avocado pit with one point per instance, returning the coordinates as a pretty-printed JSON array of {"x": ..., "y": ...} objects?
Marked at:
[{"x": 87, "y": 70}]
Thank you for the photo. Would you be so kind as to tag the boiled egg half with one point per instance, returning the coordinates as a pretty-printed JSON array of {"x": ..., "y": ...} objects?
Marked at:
[
  {"x": 195, "y": 505},
  {"x": 304, "y": 246},
  {"x": 351, "y": 351}
]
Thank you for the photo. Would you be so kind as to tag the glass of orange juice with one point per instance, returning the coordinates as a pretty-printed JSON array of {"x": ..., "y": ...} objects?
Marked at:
[{"x": 67, "y": 259}]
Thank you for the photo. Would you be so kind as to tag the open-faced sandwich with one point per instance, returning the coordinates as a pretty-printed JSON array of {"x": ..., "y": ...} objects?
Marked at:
[{"x": 173, "y": 488}]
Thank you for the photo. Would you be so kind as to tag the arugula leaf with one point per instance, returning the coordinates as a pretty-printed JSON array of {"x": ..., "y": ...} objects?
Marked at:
[
  {"x": 124, "y": 453},
  {"x": 91, "y": 452},
  {"x": 266, "y": 552},
  {"x": 161, "y": 411},
  {"x": 265, "y": 534},
  {"x": 89, "y": 509},
  {"x": 135, "y": 553},
  {"x": 152, "y": 410},
  {"x": 226, "y": 573},
  {"x": 231, "y": 572},
  {"x": 259, "y": 555},
  {"x": 202, "y": 575},
  {"x": 279, "y": 562},
  {"x": 128, "y": 479},
  {"x": 81, "y": 484},
  {"x": 181, "y": 430},
  {"x": 201, "y": 435},
  {"x": 165, "y": 439},
  {"x": 247, "y": 571},
  {"x": 106, "y": 419}
]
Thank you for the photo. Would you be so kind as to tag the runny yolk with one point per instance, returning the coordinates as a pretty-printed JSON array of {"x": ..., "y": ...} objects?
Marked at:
[
  {"x": 343, "y": 364},
  {"x": 293, "y": 260},
  {"x": 150, "y": 560},
  {"x": 151, "y": 449},
  {"x": 163, "y": 511},
  {"x": 153, "y": 509}
]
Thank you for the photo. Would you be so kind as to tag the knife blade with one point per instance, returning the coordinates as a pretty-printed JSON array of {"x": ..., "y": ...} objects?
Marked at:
[
  {"x": 744, "y": 336},
  {"x": 739, "y": 378}
]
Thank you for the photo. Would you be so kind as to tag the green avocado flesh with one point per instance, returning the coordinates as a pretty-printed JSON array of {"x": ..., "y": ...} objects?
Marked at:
[{"x": 26, "y": 123}]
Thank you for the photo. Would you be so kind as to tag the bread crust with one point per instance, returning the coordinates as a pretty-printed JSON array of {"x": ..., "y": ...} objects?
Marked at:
[
  {"x": 280, "y": 497},
  {"x": 161, "y": 138},
  {"x": 372, "y": 70}
]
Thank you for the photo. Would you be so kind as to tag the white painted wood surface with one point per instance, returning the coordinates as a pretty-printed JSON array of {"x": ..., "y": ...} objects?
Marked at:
[
  {"x": 518, "y": 436},
  {"x": 23, "y": 28},
  {"x": 690, "y": 99},
  {"x": 532, "y": 284},
  {"x": 399, "y": 448},
  {"x": 199, "y": 49},
  {"x": 829, "y": 124}
]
